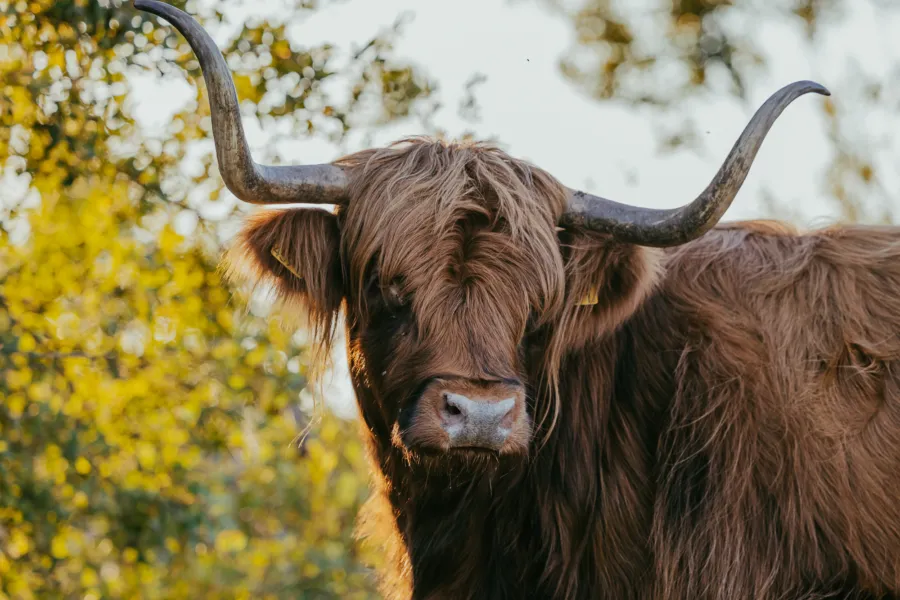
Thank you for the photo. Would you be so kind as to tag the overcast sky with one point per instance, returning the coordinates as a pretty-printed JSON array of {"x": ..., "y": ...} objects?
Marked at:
[{"x": 533, "y": 112}]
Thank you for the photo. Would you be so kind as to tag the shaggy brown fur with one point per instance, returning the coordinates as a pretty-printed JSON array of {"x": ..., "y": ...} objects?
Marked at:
[{"x": 723, "y": 423}]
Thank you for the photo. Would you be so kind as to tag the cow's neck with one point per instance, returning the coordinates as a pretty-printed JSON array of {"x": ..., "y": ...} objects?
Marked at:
[
  {"x": 587, "y": 491},
  {"x": 450, "y": 529}
]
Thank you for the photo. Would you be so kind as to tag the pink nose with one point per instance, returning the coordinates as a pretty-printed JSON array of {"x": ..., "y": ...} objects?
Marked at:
[{"x": 478, "y": 422}]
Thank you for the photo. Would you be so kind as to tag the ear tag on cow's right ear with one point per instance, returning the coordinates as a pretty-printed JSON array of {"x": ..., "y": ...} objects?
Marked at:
[
  {"x": 277, "y": 255},
  {"x": 590, "y": 299}
]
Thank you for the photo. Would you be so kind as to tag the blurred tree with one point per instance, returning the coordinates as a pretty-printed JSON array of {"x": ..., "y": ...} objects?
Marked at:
[
  {"x": 148, "y": 424},
  {"x": 663, "y": 54}
]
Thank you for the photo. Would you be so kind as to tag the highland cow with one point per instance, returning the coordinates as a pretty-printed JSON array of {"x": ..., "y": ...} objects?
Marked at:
[{"x": 567, "y": 397}]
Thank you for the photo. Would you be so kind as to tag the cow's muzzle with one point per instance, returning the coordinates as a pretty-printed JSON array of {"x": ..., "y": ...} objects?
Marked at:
[
  {"x": 474, "y": 415},
  {"x": 477, "y": 422}
]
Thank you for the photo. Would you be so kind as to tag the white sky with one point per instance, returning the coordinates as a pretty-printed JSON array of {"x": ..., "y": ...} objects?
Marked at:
[{"x": 533, "y": 112}]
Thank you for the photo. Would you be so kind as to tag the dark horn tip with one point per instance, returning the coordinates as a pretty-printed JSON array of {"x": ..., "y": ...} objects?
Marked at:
[{"x": 818, "y": 88}]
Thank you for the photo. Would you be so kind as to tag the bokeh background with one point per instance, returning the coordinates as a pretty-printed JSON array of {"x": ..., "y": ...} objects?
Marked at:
[{"x": 158, "y": 434}]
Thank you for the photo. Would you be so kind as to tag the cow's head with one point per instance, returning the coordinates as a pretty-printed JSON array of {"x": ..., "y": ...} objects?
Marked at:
[{"x": 465, "y": 275}]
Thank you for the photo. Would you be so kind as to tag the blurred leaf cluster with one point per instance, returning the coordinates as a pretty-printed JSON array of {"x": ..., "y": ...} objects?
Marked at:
[
  {"x": 656, "y": 51},
  {"x": 152, "y": 439}
]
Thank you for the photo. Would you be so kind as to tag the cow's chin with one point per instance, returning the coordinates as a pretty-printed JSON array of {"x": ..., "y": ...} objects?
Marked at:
[{"x": 472, "y": 460}]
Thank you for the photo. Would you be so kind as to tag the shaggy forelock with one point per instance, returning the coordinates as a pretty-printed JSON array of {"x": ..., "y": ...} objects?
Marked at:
[{"x": 423, "y": 212}]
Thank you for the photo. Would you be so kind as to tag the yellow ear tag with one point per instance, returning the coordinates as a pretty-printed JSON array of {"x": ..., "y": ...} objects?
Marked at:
[
  {"x": 589, "y": 299},
  {"x": 274, "y": 252}
]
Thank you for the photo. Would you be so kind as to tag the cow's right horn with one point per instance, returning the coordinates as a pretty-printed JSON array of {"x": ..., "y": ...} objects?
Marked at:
[
  {"x": 249, "y": 181},
  {"x": 674, "y": 226}
]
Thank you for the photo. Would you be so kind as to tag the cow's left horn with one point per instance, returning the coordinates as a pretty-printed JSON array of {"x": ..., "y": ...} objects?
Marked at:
[
  {"x": 671, "y": 227},
  {"x": 249, "y": 181}
]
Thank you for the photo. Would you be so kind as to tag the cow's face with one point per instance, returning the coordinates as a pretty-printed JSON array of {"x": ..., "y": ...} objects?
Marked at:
[
  {"x": 438, "y": 325},
  {"x": 461, "y": 293}
]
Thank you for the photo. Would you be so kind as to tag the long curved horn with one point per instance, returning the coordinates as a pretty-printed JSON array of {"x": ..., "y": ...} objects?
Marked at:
[
  {"x": 249, "y": 181},
  {"x": 674, "y": 226}
]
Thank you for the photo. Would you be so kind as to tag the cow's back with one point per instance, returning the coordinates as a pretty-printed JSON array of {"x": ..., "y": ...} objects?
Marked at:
[{"x": 779, "y": 465}]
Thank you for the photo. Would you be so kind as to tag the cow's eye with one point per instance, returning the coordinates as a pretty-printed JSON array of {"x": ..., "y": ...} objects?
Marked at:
[
  {"x": 390, "y": 296},
  {"x": 395, "y": 296}
]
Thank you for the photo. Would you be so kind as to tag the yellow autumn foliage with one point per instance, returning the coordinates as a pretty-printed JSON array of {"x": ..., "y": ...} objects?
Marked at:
[{"x": 149, "y": 424}]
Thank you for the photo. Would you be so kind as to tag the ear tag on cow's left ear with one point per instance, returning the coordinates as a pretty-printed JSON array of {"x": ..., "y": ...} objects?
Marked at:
[
  {"x": 590, "y": 299},
  {"x": 277, "y": 255}
]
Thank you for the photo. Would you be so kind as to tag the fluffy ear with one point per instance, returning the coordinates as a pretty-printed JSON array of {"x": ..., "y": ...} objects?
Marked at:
[
  {"x": 606, "y": 281},
  {"x": 297, "y": 251}
]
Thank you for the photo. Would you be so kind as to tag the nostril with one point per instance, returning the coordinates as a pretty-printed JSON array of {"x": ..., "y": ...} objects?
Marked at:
[{"x": 450, "y": 408}]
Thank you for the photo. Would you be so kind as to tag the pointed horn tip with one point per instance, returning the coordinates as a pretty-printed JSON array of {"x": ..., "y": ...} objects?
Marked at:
[
  {"x": 820, "y": 89},
  {"x": 816, "y": 87}
]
